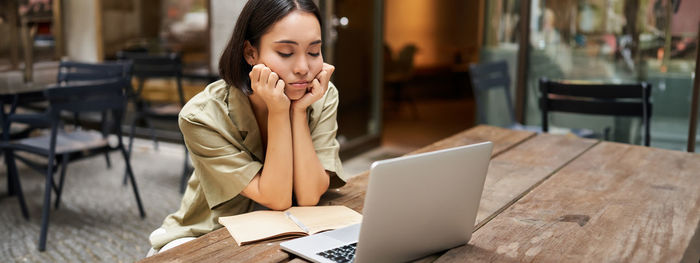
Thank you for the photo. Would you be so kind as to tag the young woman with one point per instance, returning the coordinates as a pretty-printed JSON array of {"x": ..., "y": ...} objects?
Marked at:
[{"x": 265, "y": 134}]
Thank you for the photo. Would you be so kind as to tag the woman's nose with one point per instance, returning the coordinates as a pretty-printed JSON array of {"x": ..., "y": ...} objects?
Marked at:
[{"x": 301, "y": 66}]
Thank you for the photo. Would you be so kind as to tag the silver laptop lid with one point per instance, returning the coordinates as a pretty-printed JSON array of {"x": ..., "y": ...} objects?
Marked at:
[{"x": 420, "y": 204}]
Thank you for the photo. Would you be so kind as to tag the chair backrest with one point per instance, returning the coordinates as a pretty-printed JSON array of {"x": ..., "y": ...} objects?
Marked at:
[
  {"x": 75, "y": 71},
  {"x": 146, "y": 66},
  {"x": 630, "y": 100},
  {"x": 88, "y": 97},
  {"x": 404, "y": 60},
  {"x": 488, "y": 76}
]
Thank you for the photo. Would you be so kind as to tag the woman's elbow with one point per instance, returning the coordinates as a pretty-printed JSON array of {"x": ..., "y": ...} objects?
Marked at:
[
  {"x": 308, "y": 199},
  {"x": 280, "y": 205}
]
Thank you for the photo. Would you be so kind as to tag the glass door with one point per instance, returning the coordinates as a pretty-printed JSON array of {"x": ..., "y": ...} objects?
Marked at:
[{"x": 352, "y": 38}]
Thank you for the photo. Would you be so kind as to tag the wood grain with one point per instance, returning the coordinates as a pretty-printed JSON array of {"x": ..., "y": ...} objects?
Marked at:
[
  {"x": 515, "y": 172},
  {"x": 614, "y": 203},
  {"x": 503, "y": 139},
  {"x": 219, "y": 246}
]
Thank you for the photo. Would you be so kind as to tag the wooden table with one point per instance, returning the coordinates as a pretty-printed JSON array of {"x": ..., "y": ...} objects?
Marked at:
[{"x": 548, "y": 198}]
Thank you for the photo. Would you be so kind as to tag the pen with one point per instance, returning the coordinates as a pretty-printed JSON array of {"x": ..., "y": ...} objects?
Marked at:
[{"x": 296, "y": 221}]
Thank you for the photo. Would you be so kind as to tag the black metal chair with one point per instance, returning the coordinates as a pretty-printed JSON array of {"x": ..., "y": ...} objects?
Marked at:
[
  {"x": 630, "y": 100},
  {"x": 398, "y": 73},
  {"x": 61, "y": 146},
  {"x": 69, "y": 72},
  {"x": 156, "y": 66},
  {"x": 490, "y": 77},
  {"x": 486, "y": 77},
  {"x": 77, "y": 72}
]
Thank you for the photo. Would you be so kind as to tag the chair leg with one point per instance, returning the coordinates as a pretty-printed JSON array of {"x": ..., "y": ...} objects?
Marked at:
[
  {"x": 131, "y": 144},
  {"x": 109, "y": 162},
  {"x": 133, "y": 181},
  {"x": 64, "y": 164},
  {"x": 54, "y": 185},
  {"x": 47, "y": 205},
  {"x": 153, "y": 133},
  {"x": 10, "y": 186},
  {"x": 105, "y": 131},
  {"x": 16, "y": 185},
  {"x": 10, "y": 179},
  {"x": 185, "y": 174}
]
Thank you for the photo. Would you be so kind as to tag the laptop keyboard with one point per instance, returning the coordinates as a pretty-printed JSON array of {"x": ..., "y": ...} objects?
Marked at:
[{"x": 340, "y": 254}]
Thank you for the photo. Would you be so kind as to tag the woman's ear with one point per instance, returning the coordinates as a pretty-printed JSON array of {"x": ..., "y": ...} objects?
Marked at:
[{"x": 250, "y": 53}]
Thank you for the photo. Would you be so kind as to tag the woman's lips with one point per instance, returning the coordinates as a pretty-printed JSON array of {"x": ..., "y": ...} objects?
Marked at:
[{"x": 299, "y": 85}]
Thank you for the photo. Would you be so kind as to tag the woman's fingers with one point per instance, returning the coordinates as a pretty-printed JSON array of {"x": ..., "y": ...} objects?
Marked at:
[
  {"x": 255, "y": 73},
  {"x": 322, "y": 77},
  {"x": 264, "y": 75},
  {"x": 272, "y": 79},
  {"x": 311, "y": 96},
  {"x": 280, "y": 85},
  {"x": 316, "y": 88},
  {"x": 328, "y": 69}
]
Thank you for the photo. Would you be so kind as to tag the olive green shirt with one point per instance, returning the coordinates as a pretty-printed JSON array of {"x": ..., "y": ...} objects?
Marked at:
[{"x": 222, "y": 135}]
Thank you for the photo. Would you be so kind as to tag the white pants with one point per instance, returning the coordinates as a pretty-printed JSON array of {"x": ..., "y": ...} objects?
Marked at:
[{"x": 167, "y": 246}]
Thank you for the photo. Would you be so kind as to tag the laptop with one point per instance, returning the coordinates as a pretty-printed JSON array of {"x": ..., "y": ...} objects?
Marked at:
[{"x": 415, "y": 206}]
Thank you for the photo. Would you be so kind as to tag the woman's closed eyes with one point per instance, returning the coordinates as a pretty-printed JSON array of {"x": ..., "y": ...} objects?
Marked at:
[{"x": 286, "y": 55}]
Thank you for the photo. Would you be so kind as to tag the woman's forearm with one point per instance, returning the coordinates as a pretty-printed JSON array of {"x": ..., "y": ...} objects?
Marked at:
[
  {"x": 275, "y": 185},
  {"x": 310, "y": 178}
]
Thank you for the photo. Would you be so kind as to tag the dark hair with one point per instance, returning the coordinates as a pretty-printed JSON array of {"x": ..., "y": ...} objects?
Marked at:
[{"x": 254, "y": 21}]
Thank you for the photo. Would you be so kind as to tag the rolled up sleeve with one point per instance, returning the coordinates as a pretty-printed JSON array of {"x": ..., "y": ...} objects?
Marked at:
[{"x": 223, "y": 169}]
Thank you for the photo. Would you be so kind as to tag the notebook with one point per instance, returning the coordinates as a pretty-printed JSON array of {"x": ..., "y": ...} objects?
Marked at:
[
  {"x": 296, "y": 221},
  {"x": 415, "y": 206}
]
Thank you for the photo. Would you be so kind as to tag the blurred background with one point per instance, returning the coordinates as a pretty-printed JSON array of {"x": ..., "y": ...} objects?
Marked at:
[
  {"x": 401, "y": 64},
  {"x": 403, "y": 70}
]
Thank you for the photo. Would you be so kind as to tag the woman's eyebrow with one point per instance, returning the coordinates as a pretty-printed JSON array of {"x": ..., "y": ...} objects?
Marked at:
[{"x": 295, "y": 43}]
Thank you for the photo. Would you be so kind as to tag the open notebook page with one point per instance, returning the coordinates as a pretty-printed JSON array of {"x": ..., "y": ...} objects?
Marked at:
[{"x": 321, "y": 218}]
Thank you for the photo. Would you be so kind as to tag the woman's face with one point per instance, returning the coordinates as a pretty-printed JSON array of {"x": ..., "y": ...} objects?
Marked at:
[{"x": 292, "y": 49}]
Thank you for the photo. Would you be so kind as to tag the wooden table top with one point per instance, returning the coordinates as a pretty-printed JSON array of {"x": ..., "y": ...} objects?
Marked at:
[
  {"x": 546, "y": 198},
  {"x": 22, "y": 88}
]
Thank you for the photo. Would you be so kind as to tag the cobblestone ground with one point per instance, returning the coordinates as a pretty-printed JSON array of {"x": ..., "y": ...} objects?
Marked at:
[{"x": 98, "y": 218}]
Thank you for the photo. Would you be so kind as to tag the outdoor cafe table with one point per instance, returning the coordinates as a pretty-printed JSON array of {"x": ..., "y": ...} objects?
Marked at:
[{"x": 547, "y": 198}]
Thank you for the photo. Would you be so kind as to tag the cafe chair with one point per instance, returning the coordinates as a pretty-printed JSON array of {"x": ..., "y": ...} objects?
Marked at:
[
  {"x": 77, "y": 72},
  {"x": 156, "y": 66},
  {"x": 398, "y": 73},
  {"x": 627, "y": 100},
  {"x": 18, "y": 131},
  {"x": 494, "y": 77},
  {"x": 63, "y": 144},
  {"x": 35, "y": 101}
]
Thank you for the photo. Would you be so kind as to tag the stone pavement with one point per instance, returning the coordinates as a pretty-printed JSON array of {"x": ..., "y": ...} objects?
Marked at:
[{"x": 98, "y": 217}]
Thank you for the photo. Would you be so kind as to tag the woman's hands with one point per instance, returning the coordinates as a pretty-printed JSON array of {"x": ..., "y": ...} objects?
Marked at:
[
  {"x": 318, "y": 89},
  {"x": 269, "y": 87}
]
